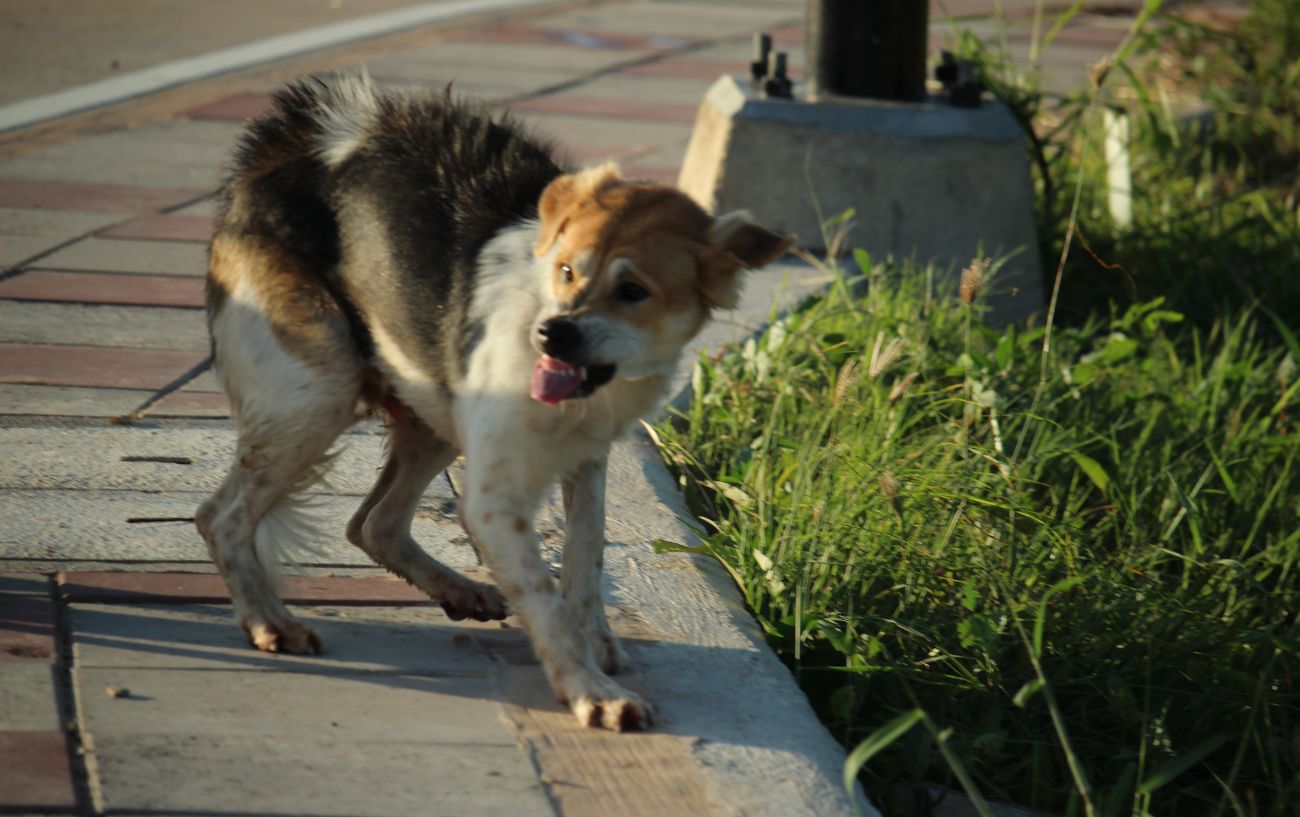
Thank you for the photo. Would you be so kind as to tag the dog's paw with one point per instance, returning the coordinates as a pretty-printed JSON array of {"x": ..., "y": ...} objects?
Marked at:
[
  {"x": 286, "y": 635},
  {"x": 471, "y": 599},
  {"x": 596, "y": 701},
  {"x": 621, "y": 712},
  {"x": 608, "y": 652}
]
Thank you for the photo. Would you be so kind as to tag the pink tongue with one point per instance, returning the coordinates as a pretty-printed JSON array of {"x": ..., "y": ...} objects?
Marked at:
[{"x": 554, "y": 380}]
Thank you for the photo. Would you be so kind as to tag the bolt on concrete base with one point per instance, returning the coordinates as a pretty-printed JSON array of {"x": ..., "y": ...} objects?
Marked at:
[{"x": 927, "y": 180}]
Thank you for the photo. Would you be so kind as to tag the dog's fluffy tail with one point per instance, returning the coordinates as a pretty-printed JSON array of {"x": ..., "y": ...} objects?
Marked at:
[
  {"x": 290, "y": 532},
  {"x": 347, "y": 105}
]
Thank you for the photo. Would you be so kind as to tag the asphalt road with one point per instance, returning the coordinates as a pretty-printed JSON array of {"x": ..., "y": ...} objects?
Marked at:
[{"x": 53, "y": 45}]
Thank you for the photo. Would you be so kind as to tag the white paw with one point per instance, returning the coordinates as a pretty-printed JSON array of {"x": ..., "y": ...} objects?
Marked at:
[
  {"x": 597, "y": 701},
  {"x": 282, "y": 635},
  {"x": 621, "y": 712}
]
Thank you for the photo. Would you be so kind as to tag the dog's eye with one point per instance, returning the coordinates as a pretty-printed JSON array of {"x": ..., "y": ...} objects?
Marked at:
[
  {"x": 631, "y": 292},
  {"x": 567, "y": 272}
]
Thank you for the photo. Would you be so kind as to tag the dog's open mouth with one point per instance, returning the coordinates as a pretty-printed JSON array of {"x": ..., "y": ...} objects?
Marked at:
[{"x": 555, "y": 380}]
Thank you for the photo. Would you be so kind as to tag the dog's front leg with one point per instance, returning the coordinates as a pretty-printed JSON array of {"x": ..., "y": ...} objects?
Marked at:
[
  {"x": 499, "y": 506},
  {"x": 584, "y": 548}
]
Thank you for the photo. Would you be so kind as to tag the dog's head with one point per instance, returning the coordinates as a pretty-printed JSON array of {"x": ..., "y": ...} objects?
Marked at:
[{"x": 633, "y": 270}]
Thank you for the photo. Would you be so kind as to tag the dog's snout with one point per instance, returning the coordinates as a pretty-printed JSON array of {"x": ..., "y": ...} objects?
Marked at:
[{"x": 561, "y": 338}]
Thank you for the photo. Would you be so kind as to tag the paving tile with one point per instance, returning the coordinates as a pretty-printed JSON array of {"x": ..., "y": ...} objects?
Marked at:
[
  {"x": 559, "y": 35},
  {"x": 203, "y": 207},
  {"x": 60, "y": 224},
  {"x": 236, "y": 107},
  {"x": 167, "y": 155},
  {"x": 788, "y": 35},
  {"x": 93, "y": 526},
  {"x": 151, "y": 459},
  {"x": 29, "y": 698},
  {"x": 192, "y": 404},
  {"x": 183, "y": 588},
  {"x": 94, "y": 366},
  {"x": 206, "y": 382},
  {"x": 608, "y": 107},
  {"x": 582, "y": 768},
  {"x": 621, "y": 137},
  {"x": 671, "y": 22},
  {"x": 69, "y": 401},
  {"x": 16, "y": 250},
  {"x": 104, "y": 288},
  {"x": 84, "y": 197},
  {"x": 27, "y": 629},
  {"x": 478, "y": 81},
  {"x": 165, "y": 227},
  {"x": 546, "y": 56},
  {"x": 99, "y": 324},
  {"x": 320, "y": 776},
  {"x": 302, "y": 702},
  {"x": 141, "y": 526},
  {"x": 406, "y": 640},
  {"x": 735, "y": 56},
  {"x": 669, "y": 91},
  {"x": 130, "y": 255},
  {"x": 37, "y": 774},
  {"x": 686, "y": 68},
  {"x": 24, "y": 584}
]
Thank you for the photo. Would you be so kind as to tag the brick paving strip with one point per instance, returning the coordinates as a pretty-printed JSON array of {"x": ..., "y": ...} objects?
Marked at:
[
  {"x": 34, "y": 754},
  {"x": 104, "y": 288}
]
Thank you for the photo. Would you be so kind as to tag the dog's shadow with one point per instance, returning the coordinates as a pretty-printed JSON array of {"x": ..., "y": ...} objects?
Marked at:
[{"x": 715, "y": 693}]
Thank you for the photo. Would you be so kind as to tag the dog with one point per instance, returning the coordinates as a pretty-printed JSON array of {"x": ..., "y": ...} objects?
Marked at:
[{"x": 410, "y": 256}]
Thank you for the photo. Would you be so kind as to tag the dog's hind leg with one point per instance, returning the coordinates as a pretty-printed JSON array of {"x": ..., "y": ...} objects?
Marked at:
[
  {"x": 269, "y": 467},
  {"x": 293, "y": 376},
  {"x": 382, "y": 526}
]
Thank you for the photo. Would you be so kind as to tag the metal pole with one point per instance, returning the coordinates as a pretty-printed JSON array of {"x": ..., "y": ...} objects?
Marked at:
[{"x": 873, "y": 48}]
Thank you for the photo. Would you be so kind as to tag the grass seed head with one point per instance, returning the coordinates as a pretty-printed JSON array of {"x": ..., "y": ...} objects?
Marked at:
[
  {"x": 900, "y": 388},
  {"x": 883, "y": 355},
  {"x": 1097, "y": 71},
  {"x": 889, "y": 490},
  {"x": 847, "y": 377},
  {"x": 972, "y": 279}
]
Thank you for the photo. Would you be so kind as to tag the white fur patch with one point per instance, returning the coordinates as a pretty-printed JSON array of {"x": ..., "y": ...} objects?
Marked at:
[{"x": 348, "y": 108}]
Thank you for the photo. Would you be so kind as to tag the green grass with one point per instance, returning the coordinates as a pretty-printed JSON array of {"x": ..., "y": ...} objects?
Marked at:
[{"x": 1064, "y": 574}]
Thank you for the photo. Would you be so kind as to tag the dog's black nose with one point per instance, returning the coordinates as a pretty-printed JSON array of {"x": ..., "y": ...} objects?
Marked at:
[{"x": 561, "y": 338}]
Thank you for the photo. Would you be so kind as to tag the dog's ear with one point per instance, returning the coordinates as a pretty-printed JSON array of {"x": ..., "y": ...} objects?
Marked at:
[
  {"x": 560, "y": 197},
  {"x": 736, "y": 243}
]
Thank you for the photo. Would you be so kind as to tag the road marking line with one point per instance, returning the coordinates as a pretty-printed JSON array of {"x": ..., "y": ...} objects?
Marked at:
[{"x": 170, "y": 74}]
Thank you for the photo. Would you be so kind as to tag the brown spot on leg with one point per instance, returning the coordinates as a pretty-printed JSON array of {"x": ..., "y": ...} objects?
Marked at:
[
  {"x": 487, "y": 517},
  {"x": 520, "y": 525}
]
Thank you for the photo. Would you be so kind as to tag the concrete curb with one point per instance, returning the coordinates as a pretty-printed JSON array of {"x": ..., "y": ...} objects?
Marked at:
[
  {"x": 759, "y": 743},
  {"x": 170, "y": 74}
]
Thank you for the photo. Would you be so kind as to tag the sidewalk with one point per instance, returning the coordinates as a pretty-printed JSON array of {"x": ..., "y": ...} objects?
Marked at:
[{"x": 126, "y": 687}]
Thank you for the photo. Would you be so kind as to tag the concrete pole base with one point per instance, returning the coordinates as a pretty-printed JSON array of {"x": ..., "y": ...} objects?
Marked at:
[{"x": 927, "y": 180}]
